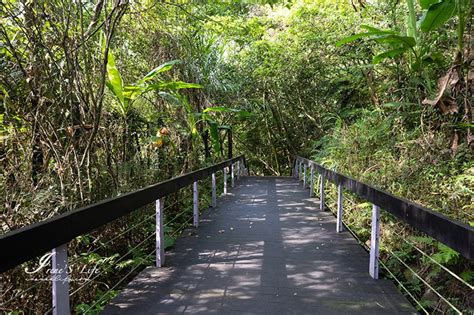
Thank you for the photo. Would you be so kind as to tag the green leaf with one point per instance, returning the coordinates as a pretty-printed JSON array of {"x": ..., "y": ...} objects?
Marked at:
[
  {"x": 377, "y": 30},
  {"x": 465, "y": 125},
  {"x": 388, "y": 54},
  {"x": 372, "y": 31},
  {"x": 437, "y": 15},
  {"x": 214, "y": 133},
  {"x": 114, "y": 83},
  {"x": 84, "y": 239},
  {"x": 222, "y": 109},
  {"x": 391, "y": 39},
  {"x": 171, "y": 98},
  {"x": 244, "y": 114},
  {"x": 216, "y": 109},
  {"x": 445, "y": 255},
  {"x": 421, "y": 239},
  {"x": 425, "y": 4},
  {"x": 161, "y": 68},
  {"x": 173, "y": 85},
  {"x": 380, "y": 36},
  {"x": 398, "y": 104},
  {"x": 131, "y": 92},
  {"x": 411, "y": 19},
  {"x": 355, "y": 37},
  {"x": 467, "y": 275}
]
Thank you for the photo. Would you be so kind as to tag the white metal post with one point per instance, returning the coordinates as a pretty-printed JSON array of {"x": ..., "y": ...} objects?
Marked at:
[
  {"x": 311, "y": 182},
  {"x": 60, "y": 278},
  {"x": 160, "y": 234},
  {"x": 296, "y": 168},
  {"x": 299, "y": 169},
  {"x": 195, "y": 205},
  {"x": 232, "y": 180},
  {"x": 238, "y": 170},
  {"x": 304, "y": 175},
  {"x": 321, "y": 193},
  {"x": 214, "y": 193},
  {"x": 225, "y": 180},
  {"x": 374, "y": 243},
  {"x": 339, "y": 209}
]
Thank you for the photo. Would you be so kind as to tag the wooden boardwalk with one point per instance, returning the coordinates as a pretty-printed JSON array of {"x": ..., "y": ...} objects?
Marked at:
[{"x": 266, "y": 248}]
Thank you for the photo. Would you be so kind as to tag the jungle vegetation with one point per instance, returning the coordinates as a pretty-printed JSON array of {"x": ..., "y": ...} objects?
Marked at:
[{"x": 102, "y": 97}]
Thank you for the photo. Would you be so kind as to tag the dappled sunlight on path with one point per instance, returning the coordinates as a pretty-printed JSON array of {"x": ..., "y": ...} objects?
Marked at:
[{"x": 265, "y": 249}]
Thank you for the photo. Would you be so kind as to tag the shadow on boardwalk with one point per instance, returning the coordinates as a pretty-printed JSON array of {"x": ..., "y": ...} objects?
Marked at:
[{"x": 268, "y": 249}]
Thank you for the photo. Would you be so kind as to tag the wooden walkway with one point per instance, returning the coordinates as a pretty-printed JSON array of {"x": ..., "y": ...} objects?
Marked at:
[{"x": 266, "y": 248}]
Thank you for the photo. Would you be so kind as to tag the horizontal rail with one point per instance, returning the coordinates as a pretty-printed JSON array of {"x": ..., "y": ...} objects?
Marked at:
[
  {"x": 455, "y": 234},
  {"x": 31, "y": 241}
]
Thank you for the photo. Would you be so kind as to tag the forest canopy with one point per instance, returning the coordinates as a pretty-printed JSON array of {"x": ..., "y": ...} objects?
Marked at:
[{"x": 103, "y": 97}]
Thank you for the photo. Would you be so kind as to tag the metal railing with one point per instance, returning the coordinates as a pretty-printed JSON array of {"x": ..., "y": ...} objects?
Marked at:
[
  {"x": 457, "y": 235},
  {"x": 54, "y": 234}
]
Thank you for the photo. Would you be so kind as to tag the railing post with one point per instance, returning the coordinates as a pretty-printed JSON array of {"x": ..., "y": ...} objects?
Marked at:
[
  {"x": 374, "y": 243},
  {"x": 225, "y": 181},
  {"x": 311, "y": 182},
  {"x": 160, "y": 234},
  {"x": 238, "y": 170},
  {"x": 232, "y": 180},
  {"x": 214, "y": 193},
  {"x": 195, "y": 205},
  {"x": 321, "y": 193},
  {"x": 339, "y": 209},
  {"x": 295, "y": 168},
  {"x": 60, "y": 278},
  {"x": 299, "y": 169},
  {"x": 304, "y": 175}
]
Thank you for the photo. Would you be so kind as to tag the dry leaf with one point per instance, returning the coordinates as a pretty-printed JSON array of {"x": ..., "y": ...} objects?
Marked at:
[
  {"x": 454, "y": 143},
  {"x": 470, "y": 75},
  {"x": 454, "y": 79},
  {"x": 446, "y": 104},
  {"x": 442, "y": 83}
]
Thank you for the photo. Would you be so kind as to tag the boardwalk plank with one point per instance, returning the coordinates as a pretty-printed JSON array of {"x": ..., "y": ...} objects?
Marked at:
[{"x": 265, "y": 249}]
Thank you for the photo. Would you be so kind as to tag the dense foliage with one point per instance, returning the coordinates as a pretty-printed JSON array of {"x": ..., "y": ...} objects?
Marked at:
[{"x": 102, "y": 97}]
